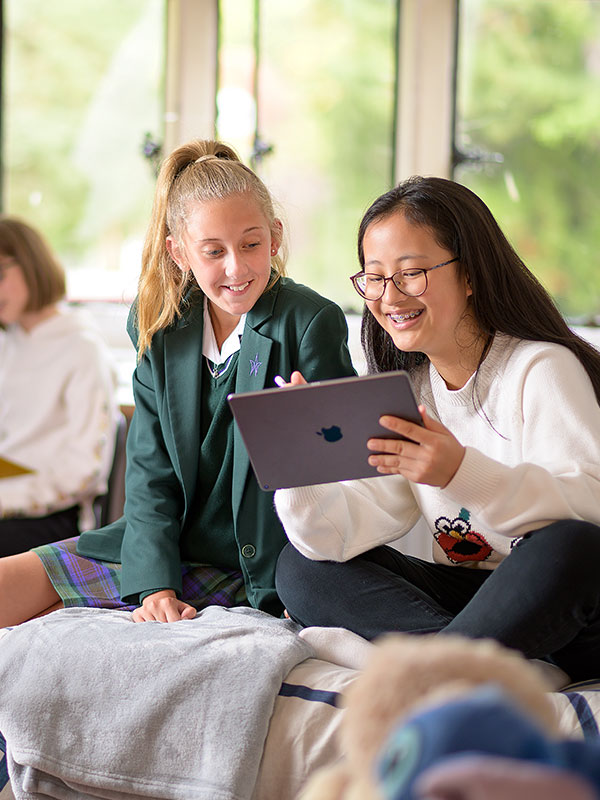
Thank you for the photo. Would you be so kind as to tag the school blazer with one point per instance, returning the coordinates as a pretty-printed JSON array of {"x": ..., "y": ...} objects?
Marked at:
[{"x": 290, "y": 327}]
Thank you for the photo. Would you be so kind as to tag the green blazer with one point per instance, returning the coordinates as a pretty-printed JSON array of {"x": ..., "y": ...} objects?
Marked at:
[{"x": 290, "y": 327}]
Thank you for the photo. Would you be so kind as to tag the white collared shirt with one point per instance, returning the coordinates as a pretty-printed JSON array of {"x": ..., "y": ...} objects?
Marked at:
[{"x": 231, "y": 345}]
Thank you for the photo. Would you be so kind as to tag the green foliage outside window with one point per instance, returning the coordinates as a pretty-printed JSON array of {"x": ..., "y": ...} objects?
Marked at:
[
  {"x": 81, "y": 94},
  {"x": 326, "y": 104},
  {"x": 529, "y": 89},
  {"x": 83, "y": 84}
]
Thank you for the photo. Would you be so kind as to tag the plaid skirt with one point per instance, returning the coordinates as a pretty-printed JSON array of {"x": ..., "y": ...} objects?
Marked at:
[{"x": 81, "y": 581}]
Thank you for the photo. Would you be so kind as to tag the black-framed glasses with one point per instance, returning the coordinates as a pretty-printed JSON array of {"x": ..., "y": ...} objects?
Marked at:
[{"x": 411, "y": 282}]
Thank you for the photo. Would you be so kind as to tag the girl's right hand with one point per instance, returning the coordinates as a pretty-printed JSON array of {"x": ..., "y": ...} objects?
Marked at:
[
  {"x": 296, "y": 378},
  {"x": 430, "y": 454},
  {"x": 163, "y": 606}
]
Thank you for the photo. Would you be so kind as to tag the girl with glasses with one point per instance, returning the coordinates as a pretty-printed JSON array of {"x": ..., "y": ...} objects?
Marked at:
[{"x": 505, "y": 472}]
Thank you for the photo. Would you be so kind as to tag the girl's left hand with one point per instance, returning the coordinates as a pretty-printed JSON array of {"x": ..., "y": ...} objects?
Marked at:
[
  {"x": 432, "y": 457},
  {"x": 163, "y": 606}
]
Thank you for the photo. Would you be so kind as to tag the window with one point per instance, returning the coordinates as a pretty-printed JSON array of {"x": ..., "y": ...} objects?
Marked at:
[
  {"x": 83, "y": 85},
  {"x": 316, "y": 83},
  {"x": 528, "y": 121}
]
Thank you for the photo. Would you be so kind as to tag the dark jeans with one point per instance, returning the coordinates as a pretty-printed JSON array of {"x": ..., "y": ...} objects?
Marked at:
[
  {"x": 543, "y": 599},
  {"x": 19, "y": 534}
]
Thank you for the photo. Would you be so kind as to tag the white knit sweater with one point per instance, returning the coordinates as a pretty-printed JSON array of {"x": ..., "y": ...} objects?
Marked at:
[
  {"x": 57, "y": 415},
  {"x": 530, "y": 423}
]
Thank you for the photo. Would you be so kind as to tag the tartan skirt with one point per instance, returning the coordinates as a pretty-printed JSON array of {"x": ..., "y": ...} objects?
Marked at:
[{"x": 88, "y": 582}]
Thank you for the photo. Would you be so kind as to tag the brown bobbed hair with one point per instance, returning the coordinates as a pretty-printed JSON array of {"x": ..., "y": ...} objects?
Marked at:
[
  {"x": 44, "y": 276},
  {"x": 199, "y": 171},
  {"x": 506, "y": 296}
]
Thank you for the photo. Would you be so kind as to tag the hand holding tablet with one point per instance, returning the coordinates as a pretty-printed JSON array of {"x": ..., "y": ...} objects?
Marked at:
[{"x": 305, "y": 433}]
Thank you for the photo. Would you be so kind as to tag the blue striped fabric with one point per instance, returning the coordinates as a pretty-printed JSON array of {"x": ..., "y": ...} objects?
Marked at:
[
  {"x": 3, "y": 766},
  {"x": 586, "y": 718},
  {"x": 306, "y": 693},
  {"x": 590, "y": 685}
]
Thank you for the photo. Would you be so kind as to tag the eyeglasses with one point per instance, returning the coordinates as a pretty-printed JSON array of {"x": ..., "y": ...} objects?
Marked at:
[{"x": 411, "y": 282}]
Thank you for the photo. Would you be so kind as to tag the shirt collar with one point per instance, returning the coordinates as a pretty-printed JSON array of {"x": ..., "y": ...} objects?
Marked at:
[{"x": 230, "y": 346}]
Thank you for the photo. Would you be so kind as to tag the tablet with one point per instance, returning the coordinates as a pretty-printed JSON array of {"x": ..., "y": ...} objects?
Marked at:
[{"x": 318, "y": 432}]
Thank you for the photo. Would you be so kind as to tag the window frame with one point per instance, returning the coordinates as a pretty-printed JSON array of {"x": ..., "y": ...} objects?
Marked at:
[{"x": 424, "y": 104}]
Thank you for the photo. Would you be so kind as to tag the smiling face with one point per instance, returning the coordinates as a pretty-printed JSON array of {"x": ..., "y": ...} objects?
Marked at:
[
  {"x": 439, "y": 322},
  {"x": 228, "y": 246}
]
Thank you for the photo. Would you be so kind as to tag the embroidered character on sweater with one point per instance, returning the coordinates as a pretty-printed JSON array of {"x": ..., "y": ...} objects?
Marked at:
[{"x": 458, "y": 541}]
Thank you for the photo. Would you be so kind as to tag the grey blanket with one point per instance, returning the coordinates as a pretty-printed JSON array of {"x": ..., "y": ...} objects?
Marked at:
[{"x": 95, "y": 705}]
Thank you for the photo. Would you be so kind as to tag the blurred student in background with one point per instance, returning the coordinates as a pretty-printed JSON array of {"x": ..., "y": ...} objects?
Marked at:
[{"x": 57, "y": 399}]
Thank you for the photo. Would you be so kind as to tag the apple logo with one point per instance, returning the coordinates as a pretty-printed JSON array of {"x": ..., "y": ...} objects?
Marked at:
[{"x": 332, "y": 434}]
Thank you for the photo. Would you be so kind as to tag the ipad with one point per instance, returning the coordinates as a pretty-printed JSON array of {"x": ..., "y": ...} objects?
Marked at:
[{"x": 318, "y": 432}]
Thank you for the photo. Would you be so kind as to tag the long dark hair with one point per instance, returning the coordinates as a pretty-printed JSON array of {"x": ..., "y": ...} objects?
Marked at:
[{"x": 506, "y": 296}]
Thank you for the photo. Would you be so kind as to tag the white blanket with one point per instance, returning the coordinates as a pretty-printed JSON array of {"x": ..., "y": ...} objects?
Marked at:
[{"x": 94, "y": 705}]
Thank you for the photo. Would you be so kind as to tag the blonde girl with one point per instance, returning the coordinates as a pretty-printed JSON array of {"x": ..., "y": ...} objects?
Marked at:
[{"x": 215, "y": 314}]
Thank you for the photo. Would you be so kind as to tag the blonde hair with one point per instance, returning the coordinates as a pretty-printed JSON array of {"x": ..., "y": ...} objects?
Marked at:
[
  {"x": 44, "y": 276},
  {"x": 199, "y": 171}
]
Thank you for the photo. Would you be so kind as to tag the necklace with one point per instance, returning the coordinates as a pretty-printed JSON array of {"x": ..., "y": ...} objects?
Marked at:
[{"x": 216, "y": 370}]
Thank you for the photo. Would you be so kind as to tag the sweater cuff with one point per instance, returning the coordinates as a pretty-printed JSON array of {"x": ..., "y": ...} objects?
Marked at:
[
  {"x": 476, "y": 481},
  {"x": 299, "y": 496}
]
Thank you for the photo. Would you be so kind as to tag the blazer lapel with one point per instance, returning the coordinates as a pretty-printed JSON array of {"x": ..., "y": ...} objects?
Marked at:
[
  {"x": 252, "y": 375},
  {"x": 183, "y": 386}
]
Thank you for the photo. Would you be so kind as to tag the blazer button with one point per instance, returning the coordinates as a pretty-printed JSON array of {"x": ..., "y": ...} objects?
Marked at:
[{"x": 248, "y": 551}]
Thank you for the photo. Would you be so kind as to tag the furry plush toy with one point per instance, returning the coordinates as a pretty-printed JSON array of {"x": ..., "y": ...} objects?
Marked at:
[{"x": 425, "y": 703}]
